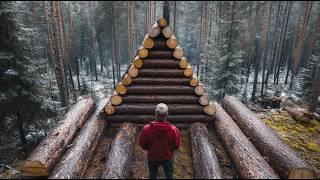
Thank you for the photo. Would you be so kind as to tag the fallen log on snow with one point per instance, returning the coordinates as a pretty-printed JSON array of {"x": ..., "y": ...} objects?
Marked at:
[
  {"x": 249, "y": 162},
  {"x": 205, "y": 162},
  {"x": 75, "y": 161},
  {"x": 280, "y": 156},
  {"x": 299, "y": 114},
  {"x": 168, "y": 99},
  {"x": 43, "y": 159},
  {"x": 120, "y": 157},
  {"x": 133, "y": 118}
]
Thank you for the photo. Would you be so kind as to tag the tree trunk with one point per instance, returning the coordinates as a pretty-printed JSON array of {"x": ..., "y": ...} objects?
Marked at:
[
  {"x": 160, "y": 89},
  {"x": 150, "y": 109},
  {"x": 205, "y": 161},
  {"x": 21, "y": 129},
  {"x": 114, "y": 52},
  {"x": 160, "y": 81},
  {"x": 120, "y": 156},
  {"x": 190, "y": 118},
  {"x": 166, "y": 12},
  {"x": 262, "y": 47},
  {"x": 58, "y": 53},
  {"x": 169, "y": 99},
  {"x": 315, "y": 96},
  {"x": 249, "y": 162},
  {"x": 314, "y": 39},
  {"x": 280, "y": 156},
  {"x": 77, "y": 158},
  {"x": 50, "y": 150}
]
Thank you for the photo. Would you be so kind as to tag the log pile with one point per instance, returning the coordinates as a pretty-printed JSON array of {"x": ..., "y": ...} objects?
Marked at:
[
  {"x": 43, "y": 159},
  {"x": 270, "y": 102},
  {"x": 280, "y": 156},
  {"x": 159, "y": 73},
  {"x": 301, "y": 115}
]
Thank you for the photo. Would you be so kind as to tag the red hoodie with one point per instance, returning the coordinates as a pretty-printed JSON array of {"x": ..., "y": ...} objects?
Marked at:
[{"x": 160, "y": 139}]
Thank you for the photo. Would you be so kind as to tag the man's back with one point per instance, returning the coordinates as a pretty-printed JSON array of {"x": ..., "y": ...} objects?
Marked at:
[{"x": 160, "y": 139}]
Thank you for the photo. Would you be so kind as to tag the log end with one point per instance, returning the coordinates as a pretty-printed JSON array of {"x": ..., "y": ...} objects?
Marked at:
[
  {"x": 210, "y": 109},
  {"x": 199, "y": 90},
  {"x": 183, "y": 63},
  {"x": 163, "y": 22},
  {"x": 133, "y": 72},
  {"x": 194, "y": 82},
  {"x": 148, "y": 43},
  {"x": 116, "y": 100},
  {"x": 34, "y": 169},
  {"x": 167, "y": 32},
  {"x": 109, "y": 109},
  {"x": 127, "y": 80},
  {"x": 172, "y": 43},
  {"x": 178, "y": 53},
  {"x": 143, "y": 53},
  {"x": 302, "y": 173},
  {"x": 137, "y": 63},
  {"x": 204, "y": 100},
  {"x": 121, "y": 89},
  {"x": 188, "y": 72}
]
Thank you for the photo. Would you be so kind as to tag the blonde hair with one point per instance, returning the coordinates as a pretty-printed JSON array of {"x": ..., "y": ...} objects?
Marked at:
[{"x": 161, "y": 111}]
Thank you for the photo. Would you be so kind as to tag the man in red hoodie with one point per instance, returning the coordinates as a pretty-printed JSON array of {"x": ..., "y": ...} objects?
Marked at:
[{"x": 161, "y": 139}]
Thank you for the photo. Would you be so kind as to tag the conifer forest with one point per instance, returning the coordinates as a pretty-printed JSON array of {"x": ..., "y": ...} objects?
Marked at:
[{"x": 80, "y": 79}]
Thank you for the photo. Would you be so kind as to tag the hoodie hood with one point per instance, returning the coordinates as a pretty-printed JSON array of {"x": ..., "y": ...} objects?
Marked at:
[{"x": 160, "y": 128}]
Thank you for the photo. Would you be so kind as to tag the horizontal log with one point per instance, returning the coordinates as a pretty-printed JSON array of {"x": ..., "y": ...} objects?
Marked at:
[
  {"x": 205, "y": 161},
  {"x": 157, "y": 72},
  {"x": 120, "y": 156},
  {"x": 161, "y": 90},
  {"x": 249, "y": 162},
  {"x": 191, "y": 118},
  {"x": 47, "y": 154},
  {"x": 173, "y": 109},
  {"x": 299, "y": 115},
  {"x": 160, "y": 44},
  {"x": 160, "y": 54},
  {"x": 160, "y": 81},
  {"x": 77, "y": 158},
  {"x": 168, "y": 99},
  {"x": 161, "y": 63},
  {"x": 280, "y": 156}
]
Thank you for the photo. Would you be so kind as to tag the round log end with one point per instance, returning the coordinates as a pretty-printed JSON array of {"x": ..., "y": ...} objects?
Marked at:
[
  {"x": 121, "y": 89},
  {"x": 34, "y": 169},
  {"x": 133, "y": 72},
  {"x": 210, "y": 109},
  {"x": 194, "y": 82},
  {"x": 143, "y": 52},
  {"x": 183, "y": 63},
  {"x": 204, "y": 100},
  {"x": 167, "y": 32},
  {"x": 172, "y": 43},
  {"x": 137, "y": 63},
  {"x": 148, "y": 43},
  {"x": 109, "y": 109},
  {"x": 302, "y": 173},
  {"x": 199, "y": 90},
  {"x": 188, "y": 72},
  {"x": 116, "y": 100},
  {"x": 163, "y": 22},
  {"x": 127, "y": 80},
  {"x": 178, "y": 53},
  {"x": 155, "y": 31}
]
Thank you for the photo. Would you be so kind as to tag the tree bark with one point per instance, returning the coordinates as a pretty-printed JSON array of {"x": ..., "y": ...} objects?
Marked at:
[
  {"x": 186, "y": 118},
  {"x": 20, "y": 128},
  {"x": 50, "y": 150},
  {"x": 315, "y": 96},
  {"x": 58, "y": 53},
  {"x": 166, "y": 13},
  {"x": 161, "y": 90},
  {"x": 314, "y": 39},
  {"x": 160, "y": 81},
  {"x": 205, "y": 161},
  {"x": 120, "y": 156},
  {"x": 280, "y": 156},
  {"x": 249, "y": 162},
  {"x": 160, "y": 54},
  {"x": 145, "y": 109},
  {"x": 157, "y": 72},
  {"x": 75, "y": 161},
  {"x": 169, "y": 99}
]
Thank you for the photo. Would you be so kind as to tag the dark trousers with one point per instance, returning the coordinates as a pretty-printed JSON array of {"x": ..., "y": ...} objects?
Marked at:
[{"x": 154, "y": 165}]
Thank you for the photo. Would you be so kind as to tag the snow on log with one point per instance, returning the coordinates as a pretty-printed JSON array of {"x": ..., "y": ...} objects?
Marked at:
[
  {"x": 249, "y": 162},
  {"x": 280, "y": 156},
  {"x": 49, "y": 151},
  {"x": 205, "y": 162},
  {"x": 120, "y": 156},
  {"x": 75, "y": 161}
]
